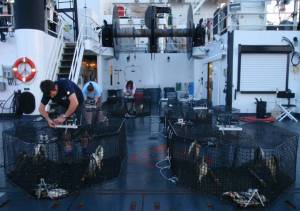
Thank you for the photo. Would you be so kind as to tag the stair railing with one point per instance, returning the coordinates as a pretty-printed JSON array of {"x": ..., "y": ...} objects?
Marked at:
[
  {"x": 197, "y": 5},
  {"x": 77, "y": 58},
  {"x": 86, "y": 31},
  {"x": 56, "y": 53},
  {"x": 91, "y": 29}
]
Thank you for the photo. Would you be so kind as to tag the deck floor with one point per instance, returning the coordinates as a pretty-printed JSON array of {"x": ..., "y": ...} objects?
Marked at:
[{"x": 140, "y": 186}]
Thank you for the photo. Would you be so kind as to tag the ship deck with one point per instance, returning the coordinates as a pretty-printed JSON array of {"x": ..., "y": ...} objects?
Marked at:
[{"x": 140, "y": 185}]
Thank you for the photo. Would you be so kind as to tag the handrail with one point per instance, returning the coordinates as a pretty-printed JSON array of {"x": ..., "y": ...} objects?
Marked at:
[
  {"x": 49, "y": 28},
  {"x": 9, "y": 19},
  {"x": 77, "y": 58},
  {"x": 56, "y": 53},
  {"x": 269, "y": 19},
  {"x": 197, "y": 5},
  {"x": 83, "y": 35},
  {"x": 93, "y": 21},
  {"x": 57, "y": 50},
  {"x": 90, "y": 26}
]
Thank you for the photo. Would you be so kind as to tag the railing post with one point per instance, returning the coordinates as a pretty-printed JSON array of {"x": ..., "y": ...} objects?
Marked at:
[
  {"x": 296, "y": 11},
  {"x": 56, "y": 53}
]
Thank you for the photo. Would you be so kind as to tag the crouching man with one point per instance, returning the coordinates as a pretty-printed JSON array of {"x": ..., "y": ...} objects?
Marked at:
[
  {"x": 64, "y": 93},
  {"x": 92, "y": 96}
]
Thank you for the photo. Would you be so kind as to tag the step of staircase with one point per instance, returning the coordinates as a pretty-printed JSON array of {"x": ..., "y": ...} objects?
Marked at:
[
  {"x": 69, "y": 50},
  {"x": 67, "y": 56},
  {"x": 64, "y": 69},
  {"x": 66, "y": 62},
  {"x": 70, "y": 44},
  {"x": 62, "y": 76},
  {"x": 68, "y": 53}
]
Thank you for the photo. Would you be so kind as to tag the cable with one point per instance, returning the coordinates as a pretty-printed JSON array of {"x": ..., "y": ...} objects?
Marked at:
[
  {"x": 294, "y": 52},
  {"x": 297, "y": 55},
  {"x": 5, "y": 101},
  {"x": 168, "y": 166}
]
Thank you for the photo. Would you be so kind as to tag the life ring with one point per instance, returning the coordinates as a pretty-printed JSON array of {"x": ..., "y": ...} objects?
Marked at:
[{"x": 18, "y": 75}]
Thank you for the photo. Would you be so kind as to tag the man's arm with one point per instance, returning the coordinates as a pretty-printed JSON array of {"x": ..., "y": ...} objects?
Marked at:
[
  {"x": 71, "y": 109},
  {"x": 73, "y": 105},
  {"x": 98, "y": 101},
  {"x": 84, "y": 91},
  {"x": 98, "y": 93},
  {"x": 133, "y": 91},
  {"x": 45, "y": 114}
]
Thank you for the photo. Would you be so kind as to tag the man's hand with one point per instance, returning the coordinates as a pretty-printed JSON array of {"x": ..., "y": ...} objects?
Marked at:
[
  {"x": 60, "y": 120},
  {"x": 43, "y": 112},
  {"x": 51, "y": 123}
]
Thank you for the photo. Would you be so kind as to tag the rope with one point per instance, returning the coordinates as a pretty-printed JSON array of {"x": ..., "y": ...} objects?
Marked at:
[
  {"x": 168, "y": 166},
  {"x": 295, "y": 54}
]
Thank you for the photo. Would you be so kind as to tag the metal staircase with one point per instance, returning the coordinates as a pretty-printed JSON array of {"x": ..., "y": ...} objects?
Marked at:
[
  {"x": 66, "y": 57},
  {"x": 77, "y": 57},
  {"x": 66, "y": 61}
]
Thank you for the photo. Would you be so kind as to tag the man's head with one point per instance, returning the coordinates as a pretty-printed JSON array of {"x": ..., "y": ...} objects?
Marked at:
[
  {"x": 129, "y": 84},
  {"x": 90, "y": 88},
  {"x": 49, "y": 88},
  {"x": 105, "y": 22},
  {"x": 201, "y": 21}
]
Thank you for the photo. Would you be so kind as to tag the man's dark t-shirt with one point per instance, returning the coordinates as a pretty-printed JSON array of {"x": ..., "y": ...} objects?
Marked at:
[{"x": 65, "y": 89}]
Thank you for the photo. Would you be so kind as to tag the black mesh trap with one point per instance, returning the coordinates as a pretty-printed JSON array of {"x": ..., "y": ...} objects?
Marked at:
[
  {"x": 142, "y": 105},
  {"x": 261, "y": 157},
  {"x": 191, "y": 111},
  {"x": 52, "y": 163}
]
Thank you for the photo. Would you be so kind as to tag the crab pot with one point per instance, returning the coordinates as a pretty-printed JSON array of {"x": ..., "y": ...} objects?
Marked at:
[
  {"x": 115, "y": 108},
  {"x": 153, "y": 94},
  {"x": 261, "y": 157},
  {"x": 33, "y": 151},
  {"x": 186, "y": 111},
  {"x": 93, "y": 116},
  {"x": 142, "y": 105},
  {"x": 89, "y": 116},
  {"x": 101, "y": 116}
]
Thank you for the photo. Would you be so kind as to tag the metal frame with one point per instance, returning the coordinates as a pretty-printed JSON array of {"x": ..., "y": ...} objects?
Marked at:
[
  {"x": 229, "y": 77},
  {"x": 286, "y": 112},
  {"x": 71, "y": 7},
  {"x": 152, "y": 32}
]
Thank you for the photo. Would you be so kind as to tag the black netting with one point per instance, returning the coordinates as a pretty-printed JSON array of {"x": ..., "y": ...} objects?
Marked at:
[
  {"x": 261, "y": 157},
  {"x": 64, "y": 159},
  {"x": 188, "y": 112},
  {"x": 141, "y": 107}
]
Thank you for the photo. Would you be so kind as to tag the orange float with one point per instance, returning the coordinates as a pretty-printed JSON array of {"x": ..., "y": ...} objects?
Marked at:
[{"x": 23, "y": 76}]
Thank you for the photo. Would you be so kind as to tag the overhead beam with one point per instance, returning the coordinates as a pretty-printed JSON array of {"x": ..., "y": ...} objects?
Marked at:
[
  {"x": 66, "y": 10},
  {"x": 131, "y": 33}
]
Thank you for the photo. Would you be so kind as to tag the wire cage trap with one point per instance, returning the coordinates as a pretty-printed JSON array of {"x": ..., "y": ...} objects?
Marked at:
[
  {"x": 261, "y": 158},
  {"x": 194, "y": 112},
  {"x": 52, "y": 163},
  {"x": 140, "y": 105}
]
